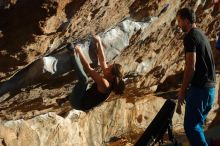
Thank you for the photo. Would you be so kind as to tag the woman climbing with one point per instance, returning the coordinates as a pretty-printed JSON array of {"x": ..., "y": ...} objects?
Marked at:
[{"x": 84, "y": 97}]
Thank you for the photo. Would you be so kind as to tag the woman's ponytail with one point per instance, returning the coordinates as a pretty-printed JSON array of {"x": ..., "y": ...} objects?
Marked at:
[{"x": 118, "y": 83}]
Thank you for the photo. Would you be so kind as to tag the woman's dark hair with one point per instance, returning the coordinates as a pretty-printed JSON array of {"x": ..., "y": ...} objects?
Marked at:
[
  {"x": 187, "y": 13},
  {"x": 118, "y": 83}
]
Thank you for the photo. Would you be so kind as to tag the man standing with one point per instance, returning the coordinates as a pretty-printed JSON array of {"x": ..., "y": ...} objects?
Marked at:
[{"x": 198, "y": 87}]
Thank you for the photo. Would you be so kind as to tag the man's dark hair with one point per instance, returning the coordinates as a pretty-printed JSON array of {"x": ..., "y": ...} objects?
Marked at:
[{"x": 187, "y": 13}]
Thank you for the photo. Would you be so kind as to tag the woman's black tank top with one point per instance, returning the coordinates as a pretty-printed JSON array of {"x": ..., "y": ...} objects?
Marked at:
[{"x": 93, "y": 97}]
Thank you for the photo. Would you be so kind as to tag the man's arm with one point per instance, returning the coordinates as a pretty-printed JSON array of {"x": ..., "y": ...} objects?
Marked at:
[{"x": 188, "y": 74}]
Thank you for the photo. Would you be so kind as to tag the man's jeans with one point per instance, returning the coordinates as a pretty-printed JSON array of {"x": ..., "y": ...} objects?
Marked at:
[{"x": 199, "y": 102}]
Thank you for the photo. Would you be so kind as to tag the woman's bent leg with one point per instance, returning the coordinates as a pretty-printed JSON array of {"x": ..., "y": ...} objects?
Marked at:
[{"x": 80, "y": 88}]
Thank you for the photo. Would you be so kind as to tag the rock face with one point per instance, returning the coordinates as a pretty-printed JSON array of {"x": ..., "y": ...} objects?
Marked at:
[
  {"x": 96, "y": 127},
  {"x": 36, "y": 68},
  {"x": 115, "y": 41},
  {"x": 103, "y": 125}
]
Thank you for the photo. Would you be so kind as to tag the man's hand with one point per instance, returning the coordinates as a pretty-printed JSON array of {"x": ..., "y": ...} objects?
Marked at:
[
  {"x": 181, "y": 97},
  {"x": 179, "y": 109}
]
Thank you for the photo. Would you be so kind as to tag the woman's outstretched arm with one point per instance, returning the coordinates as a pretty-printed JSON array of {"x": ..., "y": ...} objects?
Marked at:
[
  {"x": 100, "y": 52},
  {"x": 83, "y": 59},
  {"x": 102, "y": 83}
]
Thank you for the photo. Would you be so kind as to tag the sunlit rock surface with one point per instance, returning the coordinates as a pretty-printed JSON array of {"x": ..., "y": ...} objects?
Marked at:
[
  {"x": 115, "y": 41},
  {"x": 36, "y": 70}
]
